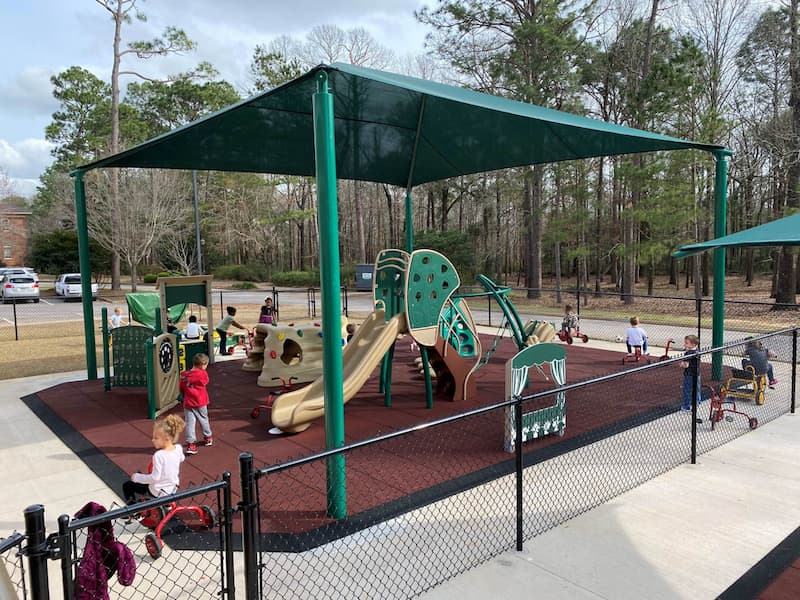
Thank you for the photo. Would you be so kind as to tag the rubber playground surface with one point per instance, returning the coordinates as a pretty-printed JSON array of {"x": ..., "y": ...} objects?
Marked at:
[{"x": 111, "y": 432}]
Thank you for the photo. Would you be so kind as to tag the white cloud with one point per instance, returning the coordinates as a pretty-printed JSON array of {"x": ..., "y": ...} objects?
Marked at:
[
  {"x": 24, "y": 187},
  {"x": 29, "y": 92},
  {"x": 24, "y": 162}
]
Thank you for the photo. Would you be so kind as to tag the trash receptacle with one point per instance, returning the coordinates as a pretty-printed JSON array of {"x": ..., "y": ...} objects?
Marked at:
[{"x": 364, "y": 277}]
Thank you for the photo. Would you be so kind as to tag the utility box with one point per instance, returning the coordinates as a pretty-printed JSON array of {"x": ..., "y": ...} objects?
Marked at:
[{"x": 364, "y": 277}]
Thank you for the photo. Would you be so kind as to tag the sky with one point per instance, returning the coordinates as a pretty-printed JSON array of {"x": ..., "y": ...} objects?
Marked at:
[{"x": 41, "y": 38}]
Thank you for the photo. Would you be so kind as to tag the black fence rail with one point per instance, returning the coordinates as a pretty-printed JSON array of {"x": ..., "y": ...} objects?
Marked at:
[{"x": 12, "y": 567}]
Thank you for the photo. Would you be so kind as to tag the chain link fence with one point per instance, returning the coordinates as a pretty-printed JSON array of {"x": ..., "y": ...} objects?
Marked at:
[
  {"x": 394, "y": 516},
  {"x": 428, "y": 503},
  {"x": 12, "y": 566}
]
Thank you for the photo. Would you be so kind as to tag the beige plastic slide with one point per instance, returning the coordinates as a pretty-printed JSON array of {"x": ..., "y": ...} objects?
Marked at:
[{"x": 293, "y": 412}]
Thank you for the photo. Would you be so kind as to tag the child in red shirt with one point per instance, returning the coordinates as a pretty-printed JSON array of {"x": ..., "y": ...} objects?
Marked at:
[{"x": 195, "y": 402}]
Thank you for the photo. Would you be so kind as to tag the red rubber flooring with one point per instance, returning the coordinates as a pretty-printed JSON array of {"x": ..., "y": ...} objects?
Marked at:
[{"x": 115, "y": 424}]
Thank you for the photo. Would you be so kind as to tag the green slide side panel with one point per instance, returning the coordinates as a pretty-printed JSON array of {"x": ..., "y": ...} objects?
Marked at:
[
  {"x": 454, "y": 327},
  {"x": 389, "y": 281},
  {"x": 432, "y": 279}
]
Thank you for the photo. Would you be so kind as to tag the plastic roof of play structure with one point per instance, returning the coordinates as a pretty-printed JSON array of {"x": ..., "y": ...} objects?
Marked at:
[
  {"x": 389, "y": 128},
  {"x": 781, "y": 232}
]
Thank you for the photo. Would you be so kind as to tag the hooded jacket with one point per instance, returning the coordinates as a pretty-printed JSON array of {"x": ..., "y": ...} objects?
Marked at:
[
  {"x": 193, "y": 386},
  {"x": 102, "y": 557}
]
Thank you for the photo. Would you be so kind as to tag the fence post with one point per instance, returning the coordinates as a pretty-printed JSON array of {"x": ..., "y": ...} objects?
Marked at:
[
  {"x": 794, "y": 367},
  {"x": 276, "y": 302},
  {"x": 699, "y": 303},
  {"x": 65, "y": 549},
  {"x": 578, "y": 300},
  {"x": 518, "y": 460},
  {"x": 227, "y": 532},
  {"x": 16, "y": 329},
  {"x": 694, "y": 361},
  {"x": 36, "y": 551},
  {"x": 247, "y": 507},
  {"x": 221, "y": 308},
  {"x": 489, "y": 302}
]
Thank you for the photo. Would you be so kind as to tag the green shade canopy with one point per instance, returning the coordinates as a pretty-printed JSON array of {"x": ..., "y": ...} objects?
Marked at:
[
  {"x": 782, "y": 232},
  {"x": 389, "y": 128}
]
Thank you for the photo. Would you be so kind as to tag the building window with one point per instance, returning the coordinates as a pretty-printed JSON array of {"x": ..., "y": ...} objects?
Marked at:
[
  {"x": 7, "y": 252},
  {"x": 5, "y": 224}
]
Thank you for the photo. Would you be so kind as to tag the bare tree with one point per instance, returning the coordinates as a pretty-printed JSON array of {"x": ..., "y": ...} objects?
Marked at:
[
  {"x": 173, "y": 41},
  {"x": 6, "y": 185},
  {"x": 155, "y": 201}
]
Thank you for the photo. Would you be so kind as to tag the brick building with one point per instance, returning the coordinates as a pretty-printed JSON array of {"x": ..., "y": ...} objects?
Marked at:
[{"x": 13, "y": 235}]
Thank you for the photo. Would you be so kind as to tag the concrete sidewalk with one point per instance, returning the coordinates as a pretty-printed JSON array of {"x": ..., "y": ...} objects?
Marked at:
[{"x": 689, "y": 533}]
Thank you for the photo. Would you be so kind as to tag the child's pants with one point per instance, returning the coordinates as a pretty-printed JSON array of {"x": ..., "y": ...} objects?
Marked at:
[
  {"x": 644, "y": 347},
  {"x": 687, "y": 391},
  {"x": 770, "y": 373},
  {"x": 223, "y": 341},
  {"x": 132, "y": 491},
  {"x": 192, "y": 416}
]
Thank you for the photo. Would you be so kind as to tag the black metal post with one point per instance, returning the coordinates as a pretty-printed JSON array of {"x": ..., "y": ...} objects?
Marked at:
[
  {"x": 794, "y": 367},
  {"x": 65, "y": 543},
  {"x": 247, "y": 507},
  {"x": 276, "y": 302},
  {"x": 344, "y": 301},
  {"x": 36, "y": 551},
  {"x": 489, "y": 302},
  {"x": 16, "y": 330},
  {"x": 695, "y": 376},
  {"x": 221, "y": 309},
  {"x": 518, "y": 458},
  {"x": 227, "y": 532},
  {"x": 699, "y": 303},
  {"x": 578, "y": 301}
]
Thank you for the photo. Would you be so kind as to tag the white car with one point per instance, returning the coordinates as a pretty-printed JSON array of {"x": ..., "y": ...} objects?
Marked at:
[
  {"x": 18, "y": 286},
  {"x": 68, "y": 285}
]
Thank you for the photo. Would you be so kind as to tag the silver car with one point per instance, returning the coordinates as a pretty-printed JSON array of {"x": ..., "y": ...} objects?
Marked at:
[{"x": 19, "y": 287}]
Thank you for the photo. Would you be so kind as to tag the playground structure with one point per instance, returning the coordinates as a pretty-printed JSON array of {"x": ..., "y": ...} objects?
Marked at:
[
  {"x": 144, "y": 356},
  {"x": 414, "y": 294},
  {"x": 287, "y": 351},
  {"x": 544, "y": 421}
]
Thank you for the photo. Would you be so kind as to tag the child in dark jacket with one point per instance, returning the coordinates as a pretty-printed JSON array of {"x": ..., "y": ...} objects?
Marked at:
[{"x": 195, "y": 402}]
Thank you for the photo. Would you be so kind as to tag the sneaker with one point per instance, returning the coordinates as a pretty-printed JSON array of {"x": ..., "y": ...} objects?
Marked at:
[
  {"x": 191, "y": 449},
  {"x": 686, "y": 408},
  {"x": 773, "y": 383},
  {"x": 208, "y": 441}
]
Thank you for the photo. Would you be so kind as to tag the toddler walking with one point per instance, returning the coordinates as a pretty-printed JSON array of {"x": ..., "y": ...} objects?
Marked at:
[{"x": 195, "y": 402}]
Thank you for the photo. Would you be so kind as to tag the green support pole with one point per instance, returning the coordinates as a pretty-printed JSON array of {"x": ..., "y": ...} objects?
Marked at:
[
  {"x": 106, "y": 355},
  {"x": 151, "y": 380},
  {"x": 409, "y": 224},
  {"x": 720, "y": 214},
  {"x": 330, "y": 280},
  {"x": 81, "y": 223}
]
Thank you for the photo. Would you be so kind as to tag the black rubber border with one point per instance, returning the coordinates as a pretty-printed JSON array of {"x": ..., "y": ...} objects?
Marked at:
[{"x": 759, "y": 577}]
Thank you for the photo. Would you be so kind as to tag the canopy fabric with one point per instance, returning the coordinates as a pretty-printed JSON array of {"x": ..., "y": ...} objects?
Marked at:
[
  {"x": 389, "y": 128},
  {"x": 782, "y": 232},
  {"x": 143, "y": 307}
]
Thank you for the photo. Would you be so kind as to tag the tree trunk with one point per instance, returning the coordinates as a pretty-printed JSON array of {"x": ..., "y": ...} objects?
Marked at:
[
  {"x": 533, "y": 230},
  {"x": 361, "y": 243},
  {"x": 787, "y": 285}
]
